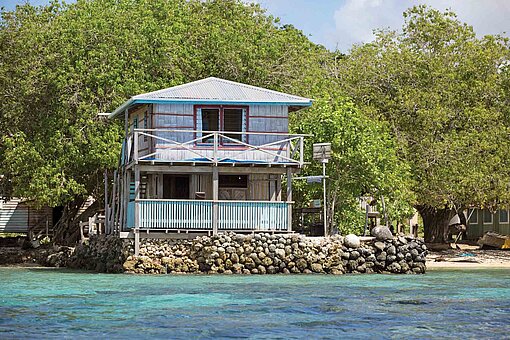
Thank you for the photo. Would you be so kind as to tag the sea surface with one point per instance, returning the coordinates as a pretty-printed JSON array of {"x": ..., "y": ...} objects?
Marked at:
[{"x": 43, "y": 303}]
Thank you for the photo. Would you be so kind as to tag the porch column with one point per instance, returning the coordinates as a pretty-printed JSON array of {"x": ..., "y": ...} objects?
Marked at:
[
  {"x": 215, "y": 200},
  {"x": 137, "y": 209},
  {"x": 272, "y": 188},
  {"x": 289, "y": 199},
  {"x": 278, "y": 188}
]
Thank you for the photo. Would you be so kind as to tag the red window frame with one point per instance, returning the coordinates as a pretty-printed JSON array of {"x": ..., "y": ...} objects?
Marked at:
[{"x": 221, "y": 107}]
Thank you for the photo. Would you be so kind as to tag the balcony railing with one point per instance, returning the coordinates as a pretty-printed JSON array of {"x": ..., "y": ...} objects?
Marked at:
[
  {"x": 157, "y": 214},
  {"x": 171, "y": 145}
]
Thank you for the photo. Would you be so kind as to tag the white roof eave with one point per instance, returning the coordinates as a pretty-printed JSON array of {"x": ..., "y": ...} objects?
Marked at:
[{"x": 139, "y": 100}]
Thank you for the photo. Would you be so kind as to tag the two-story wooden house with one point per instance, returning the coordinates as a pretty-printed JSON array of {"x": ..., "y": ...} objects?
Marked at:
[{"x": 207, "y": 156}]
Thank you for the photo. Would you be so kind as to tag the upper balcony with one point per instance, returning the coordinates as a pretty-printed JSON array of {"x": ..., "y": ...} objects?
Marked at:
[{"x": 197, "y": 147}]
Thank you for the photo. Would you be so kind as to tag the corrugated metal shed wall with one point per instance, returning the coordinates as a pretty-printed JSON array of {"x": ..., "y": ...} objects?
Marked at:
[
  {"x": 17, "y": 216},
  {"x": 13, "y": 216}
]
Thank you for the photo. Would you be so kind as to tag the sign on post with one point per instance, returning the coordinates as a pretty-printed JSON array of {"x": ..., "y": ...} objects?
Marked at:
[{"x": 321, "y": 151}]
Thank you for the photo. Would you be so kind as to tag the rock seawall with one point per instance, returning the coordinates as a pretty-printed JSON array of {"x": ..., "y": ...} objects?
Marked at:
[
  {"x": 104, "y": 254},
  {"x": 271, "y": 254}
]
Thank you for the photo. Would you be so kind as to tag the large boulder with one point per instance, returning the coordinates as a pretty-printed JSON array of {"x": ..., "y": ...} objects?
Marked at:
[
  {"x": 352, "y": 241},
  {"x": 382, "y": 233}
]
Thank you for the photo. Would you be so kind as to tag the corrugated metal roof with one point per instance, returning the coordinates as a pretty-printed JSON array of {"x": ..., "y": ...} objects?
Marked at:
[
  {"x": 220, "y": 89},
  {"x": 215, "y": 90}
]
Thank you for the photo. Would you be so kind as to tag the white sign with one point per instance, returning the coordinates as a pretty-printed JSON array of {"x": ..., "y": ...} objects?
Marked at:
[{"x": 321, "y": 151}]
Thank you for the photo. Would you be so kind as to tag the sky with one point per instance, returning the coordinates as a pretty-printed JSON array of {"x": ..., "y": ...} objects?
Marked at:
[{"x": 338, "y": 24}]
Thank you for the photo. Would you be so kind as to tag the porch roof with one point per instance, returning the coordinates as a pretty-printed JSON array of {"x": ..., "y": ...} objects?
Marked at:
[{"x": 216, "y": 91}]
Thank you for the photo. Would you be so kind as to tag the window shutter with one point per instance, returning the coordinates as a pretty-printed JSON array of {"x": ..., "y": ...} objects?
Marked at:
[{"x": 244, "y": 127}]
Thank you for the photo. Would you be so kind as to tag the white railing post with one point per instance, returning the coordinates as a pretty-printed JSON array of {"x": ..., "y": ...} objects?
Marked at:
[
  {"x": 215, "y": 148},
  {"x": 135, "y": 142},
  {"x": 137, "y": 196},
  {"x": 215, "y": 200},
  {"x": 289, "y": 199}
]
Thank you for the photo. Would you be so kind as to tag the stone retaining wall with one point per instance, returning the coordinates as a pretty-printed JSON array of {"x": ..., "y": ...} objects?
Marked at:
[
  {"x": 271, "y": 254},
  {"x": 104, "y": 254}
]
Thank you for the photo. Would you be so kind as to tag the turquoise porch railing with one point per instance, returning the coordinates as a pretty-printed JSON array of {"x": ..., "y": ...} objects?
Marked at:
[
  {"x": 252, "y": 215},
  {"x": 198, "y": 215},
  {"x": 175, "y": 214}
]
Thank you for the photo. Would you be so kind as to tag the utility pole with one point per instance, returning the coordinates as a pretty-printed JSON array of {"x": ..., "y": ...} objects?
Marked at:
[
  {"x": 322, "y": 152},
  {"x": 324, "y": 161}
]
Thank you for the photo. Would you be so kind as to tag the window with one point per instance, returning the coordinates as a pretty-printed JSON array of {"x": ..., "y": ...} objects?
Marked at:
[
  {"x": 474, "y": 216},
  {"x": 487, "y": 216},
  {"x": 233, "y": 121},
  {"x": 135, "y": 123},
  {"x": 503, "y": 216},
  {"x": 210, "y": 122},
  {"x": 233, "y": 181},
  {"x": 221, "y": 118}
]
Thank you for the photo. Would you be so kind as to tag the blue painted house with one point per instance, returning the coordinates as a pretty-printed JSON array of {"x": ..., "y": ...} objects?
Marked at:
[{"x": 207, "y": 156}]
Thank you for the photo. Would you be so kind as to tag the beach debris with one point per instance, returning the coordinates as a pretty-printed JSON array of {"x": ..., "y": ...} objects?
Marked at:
[{"x": 493, "y": 240}]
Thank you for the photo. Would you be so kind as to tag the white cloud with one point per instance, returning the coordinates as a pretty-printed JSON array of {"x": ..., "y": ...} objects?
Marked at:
[{"x": 356, "y": 19}]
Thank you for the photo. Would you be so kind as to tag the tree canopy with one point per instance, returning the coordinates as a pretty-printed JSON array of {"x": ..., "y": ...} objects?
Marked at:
[
  {"x": 444, "y": 92},
  {"x": 364, "y": 163},
  {"x": 62, "y": 64},
  {"x": 419, "y": 116}
]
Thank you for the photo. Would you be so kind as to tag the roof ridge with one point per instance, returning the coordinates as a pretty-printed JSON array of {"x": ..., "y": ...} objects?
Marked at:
[
  {"x": 258, "y": 88},
  {"x": 172, "y": 87},
  {"x": 230, "y": 82}
]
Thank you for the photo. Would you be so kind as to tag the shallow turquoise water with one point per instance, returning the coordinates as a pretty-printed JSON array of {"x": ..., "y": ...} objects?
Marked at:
[{"x": 47, "y": 303}]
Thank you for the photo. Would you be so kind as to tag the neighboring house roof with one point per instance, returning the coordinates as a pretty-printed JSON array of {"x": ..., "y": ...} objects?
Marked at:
[{"x": 215, "y": 91}]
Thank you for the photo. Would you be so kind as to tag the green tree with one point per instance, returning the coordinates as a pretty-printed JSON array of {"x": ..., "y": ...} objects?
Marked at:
[
  {"x": 61, "y": 64},
  {"x": 363, "y": 164},
  {"x": 444, "y": 93}
]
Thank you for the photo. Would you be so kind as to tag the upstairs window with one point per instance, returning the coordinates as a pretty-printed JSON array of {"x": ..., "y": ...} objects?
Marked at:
[{"x": 224, "y": 119}]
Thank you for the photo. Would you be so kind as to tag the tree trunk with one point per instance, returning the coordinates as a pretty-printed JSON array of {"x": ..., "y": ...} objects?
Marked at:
[
  {"x": 67, "y": 231},
  {"x": 435, "y": 222}
]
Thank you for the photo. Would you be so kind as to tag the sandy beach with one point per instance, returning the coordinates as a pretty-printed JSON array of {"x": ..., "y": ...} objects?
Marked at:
[{"x": 468, "y": 258}]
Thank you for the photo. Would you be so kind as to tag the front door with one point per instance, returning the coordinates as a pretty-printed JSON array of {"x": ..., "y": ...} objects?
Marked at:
[{"x": 176, "y": 186}]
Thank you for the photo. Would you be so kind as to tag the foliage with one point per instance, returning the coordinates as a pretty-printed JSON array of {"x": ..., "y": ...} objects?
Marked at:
[
  {"x": 63, "y": 63},
  {"x": 363, "y": 162},
  {"x": 444, "y": 94}
]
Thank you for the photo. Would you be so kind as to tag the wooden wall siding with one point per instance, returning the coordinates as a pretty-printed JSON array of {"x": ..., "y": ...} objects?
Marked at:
[
  {"x": 267, "y": 118},
  {"x": 173, "y": 116},
  {"x": 14, "y": 217},
  {"x": 38, "y": 217},
  {"x": 476, "y": 230},
  {"x": 17, "y": 216},
  {"x": 201, "y": 183},
  {"x": 261, "y": 118},
  {"x": 144, "y": 144},
  {"x": 259, "y": 187}
]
